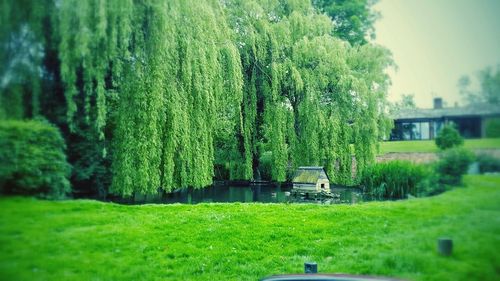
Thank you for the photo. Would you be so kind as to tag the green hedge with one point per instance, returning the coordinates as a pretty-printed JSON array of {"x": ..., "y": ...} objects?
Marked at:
[
  {"x": 492, "y": 128},
  {"x": 32, "y": 159},
  {"x": 398, "y": 179}
]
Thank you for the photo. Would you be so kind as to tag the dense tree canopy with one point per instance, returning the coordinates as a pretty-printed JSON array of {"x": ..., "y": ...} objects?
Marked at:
[
  {"x": 407, "y": 101},
  {"x": 353, "y": 19},
  {"x": 489, "y": 81},
  {"x": 155, "y": 94}
]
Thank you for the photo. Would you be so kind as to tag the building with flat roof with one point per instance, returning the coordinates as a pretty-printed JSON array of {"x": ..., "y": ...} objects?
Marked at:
[{"x": 424, "y": 124}]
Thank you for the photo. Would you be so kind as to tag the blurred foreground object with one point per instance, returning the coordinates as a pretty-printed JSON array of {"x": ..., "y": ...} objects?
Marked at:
[
  {"x": 326, "y": 277},
  {"x": 310, "y": 268}
]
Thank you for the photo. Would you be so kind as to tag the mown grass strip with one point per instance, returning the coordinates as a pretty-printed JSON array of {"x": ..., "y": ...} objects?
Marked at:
[
  {"x": 430, "y": 146},
  {"x": 88, "y": 240}
]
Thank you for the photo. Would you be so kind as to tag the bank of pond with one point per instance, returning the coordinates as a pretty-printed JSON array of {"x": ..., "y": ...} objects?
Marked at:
[{"x": 393, "y": 180}]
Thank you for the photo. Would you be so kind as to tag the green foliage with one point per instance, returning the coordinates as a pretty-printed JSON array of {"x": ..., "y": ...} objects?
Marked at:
[
  {"x": 265, "y": 166},
  {"x": 453, "y": 164},
  {"x": 406, "y": 102},
  {"x": 398, "y": 179},
  {"x": 488, "y": 163},
  {"x": 21, "y": 52},
  {"x": 168, "y": 139},
  {"x": 490, "y": 85},
  {"x": 11, "y": 103},
  {"x": 155, "y": 94},
  {"x": 448, "y": 137},
  {"x": 489, "y": 94},
  {"x": 492, "y": 128},
  {"x": 32, "y": 159},
  {"x": 353, "y": 19},
  {"x": 310, "y": 96},
  {"x": 91, "y": 169}
]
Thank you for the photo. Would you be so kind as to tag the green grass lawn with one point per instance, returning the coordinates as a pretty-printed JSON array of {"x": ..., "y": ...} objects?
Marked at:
[
  {"x": 89, "y": 240},
  {"x": 430, "y": 146}
]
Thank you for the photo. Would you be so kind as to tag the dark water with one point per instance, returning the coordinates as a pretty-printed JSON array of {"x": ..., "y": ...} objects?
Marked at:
[{"x": 251, "y": 193}]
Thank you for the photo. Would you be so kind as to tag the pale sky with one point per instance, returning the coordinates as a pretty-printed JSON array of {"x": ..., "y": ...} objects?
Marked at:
[{"x": 435, "y": 42}]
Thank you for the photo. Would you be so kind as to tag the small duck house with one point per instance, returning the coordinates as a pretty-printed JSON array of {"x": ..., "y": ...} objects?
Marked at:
[{"x": 311, "y": 180}]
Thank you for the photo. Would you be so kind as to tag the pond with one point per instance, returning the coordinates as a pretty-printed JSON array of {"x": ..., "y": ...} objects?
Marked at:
[{"x": 264, "y": 193}]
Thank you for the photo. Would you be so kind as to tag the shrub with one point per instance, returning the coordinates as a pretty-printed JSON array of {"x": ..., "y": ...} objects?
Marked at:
[
  {"x": 453, "y": 163},
  {"x": 448, "y": 137},
  {"x": 398, "y": 179},
  {"x": 492, "y": 128},
  {"x": 32, "y": 159},
  {"x": 488, "y": 163}
]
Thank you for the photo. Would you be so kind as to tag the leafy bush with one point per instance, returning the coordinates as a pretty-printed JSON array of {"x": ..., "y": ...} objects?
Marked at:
[
  {"x": 488, "y": 163},
  {"x": 492, "y": 128},
  {"x": 448, "y": 137},
  {"x": 398, "y": 179},
  {"x": 32, "y": 159},
  {"x": 453, "y": 163}
]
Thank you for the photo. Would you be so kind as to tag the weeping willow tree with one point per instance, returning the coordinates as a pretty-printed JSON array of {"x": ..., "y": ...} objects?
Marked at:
[
  {"x": 153, "y": 94},
  {"x": 368, "y": 64},
  {"x": 325, "y": 108},
  {"x": 342, "y": 112},
  {"x": 265, "y": 36},
  {"x": 310, "y": 99},
  {"x": 169, "y": 67}
]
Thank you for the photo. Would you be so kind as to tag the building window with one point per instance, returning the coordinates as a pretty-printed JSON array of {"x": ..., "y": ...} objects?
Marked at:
[
  {"x": 407, "y": 131},
  {"x": 415, "y": 130},
  {"x": 424, "y": 130},
  {"x": 437, "y": 127}
]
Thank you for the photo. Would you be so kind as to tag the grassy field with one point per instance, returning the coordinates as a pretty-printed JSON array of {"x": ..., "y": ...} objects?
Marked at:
[
  {"x": 88, "y": 240},
  {"x": 430, "y": 146}
]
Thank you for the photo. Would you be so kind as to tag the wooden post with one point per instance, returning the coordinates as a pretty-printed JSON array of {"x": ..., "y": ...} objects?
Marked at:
[{"x": 445, "y": 246}]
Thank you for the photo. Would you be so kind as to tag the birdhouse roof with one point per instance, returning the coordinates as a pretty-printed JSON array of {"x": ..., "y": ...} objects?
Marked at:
[{"x": 309, "y": 175}]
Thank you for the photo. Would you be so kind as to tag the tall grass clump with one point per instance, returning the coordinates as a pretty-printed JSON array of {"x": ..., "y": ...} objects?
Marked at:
[
  {"x": 32, "y": 159},
  {"x": 398, "y": 179}
]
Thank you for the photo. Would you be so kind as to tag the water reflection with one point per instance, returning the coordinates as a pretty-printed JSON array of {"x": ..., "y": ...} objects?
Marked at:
[{"x": 251, "y": 193}]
